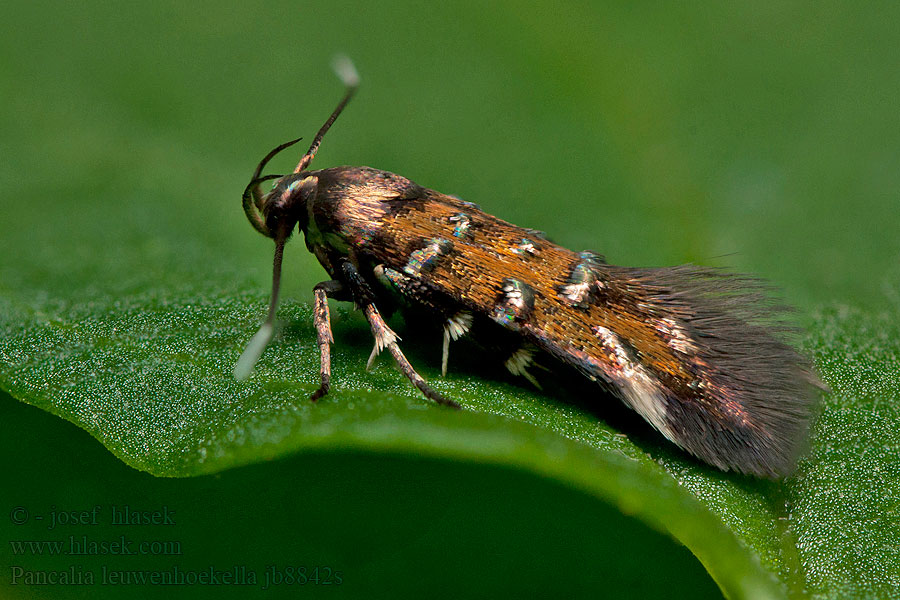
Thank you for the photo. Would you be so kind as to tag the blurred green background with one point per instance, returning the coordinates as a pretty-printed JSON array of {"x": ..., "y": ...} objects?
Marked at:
[{"x": 764, "y": 137}]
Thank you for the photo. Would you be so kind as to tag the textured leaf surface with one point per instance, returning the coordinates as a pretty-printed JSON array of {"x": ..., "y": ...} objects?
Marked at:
[{"x": 129, "y": 282}]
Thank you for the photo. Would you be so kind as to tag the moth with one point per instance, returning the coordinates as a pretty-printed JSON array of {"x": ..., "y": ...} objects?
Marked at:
[{"x": 698, "y": 352}]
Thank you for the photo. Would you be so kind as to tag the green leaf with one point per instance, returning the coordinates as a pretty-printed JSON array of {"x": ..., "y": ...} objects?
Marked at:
[{"x": 130, "y": 282}]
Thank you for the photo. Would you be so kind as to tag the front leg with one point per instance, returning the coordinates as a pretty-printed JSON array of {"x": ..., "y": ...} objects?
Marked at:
[
  {"x": 322, "y": 320},
  {"x": 384, "y": 336}
]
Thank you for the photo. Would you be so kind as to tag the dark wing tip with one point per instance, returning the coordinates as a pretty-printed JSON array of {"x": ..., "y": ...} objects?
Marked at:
[
  {"x": 756, "y": 396},
  {"x": 772, "y": 432}
]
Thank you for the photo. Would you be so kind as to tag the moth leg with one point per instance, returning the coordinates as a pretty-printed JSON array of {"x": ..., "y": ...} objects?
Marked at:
[
  {"x": 454, "y": 328},
  {"x": 520, "y": 361},
  {"x": 445, "y": 352},
  {"x": 322, "y": 320},
  {"x": 386, "y": 338},
  {"x": 363, "y": 297}
]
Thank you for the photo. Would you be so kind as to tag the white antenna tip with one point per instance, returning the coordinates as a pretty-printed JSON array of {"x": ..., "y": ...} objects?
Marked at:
[
  {"x": 253, "y": 351},
  {"x": 344, "y": 68}
]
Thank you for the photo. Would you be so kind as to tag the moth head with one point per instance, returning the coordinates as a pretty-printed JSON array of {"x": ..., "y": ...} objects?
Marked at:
[{"x": 275, "y": 213}]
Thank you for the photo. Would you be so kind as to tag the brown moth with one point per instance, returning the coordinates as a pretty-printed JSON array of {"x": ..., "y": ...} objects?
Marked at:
[{"x": 697, "y": 352}]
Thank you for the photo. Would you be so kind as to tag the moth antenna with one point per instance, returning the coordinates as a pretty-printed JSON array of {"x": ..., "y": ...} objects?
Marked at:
[
  {"x": 252, "y": 201},
  {"x": 261, "y": 339},
  {"x": 344, "y": 68}
]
